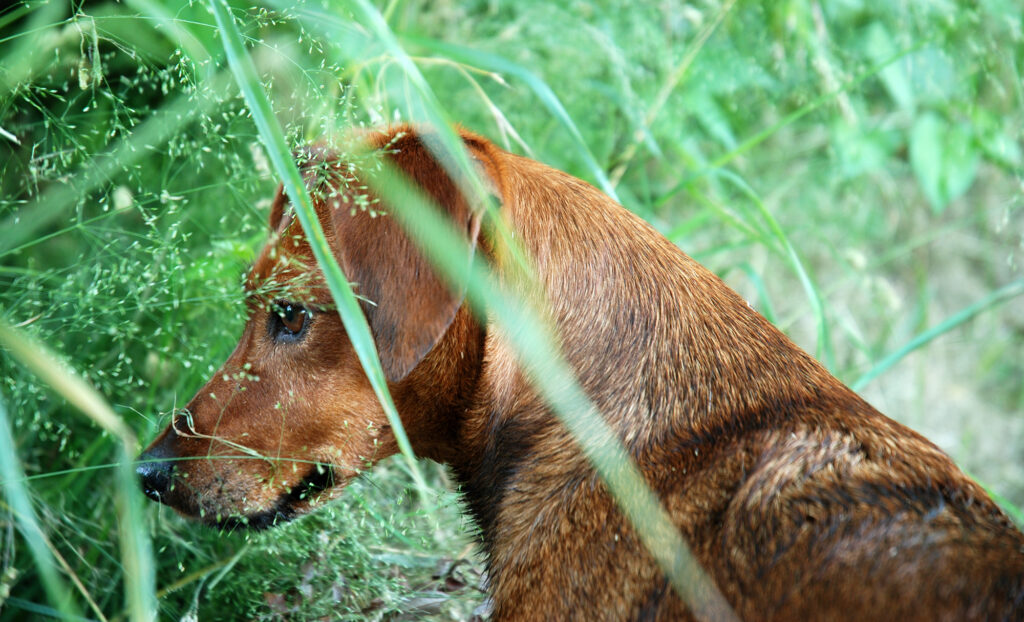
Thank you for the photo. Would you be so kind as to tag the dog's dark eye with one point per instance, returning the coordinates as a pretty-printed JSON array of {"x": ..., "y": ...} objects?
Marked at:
[
  {"x": 288, "y": 321},
  {"x": 293, "y": 318}
]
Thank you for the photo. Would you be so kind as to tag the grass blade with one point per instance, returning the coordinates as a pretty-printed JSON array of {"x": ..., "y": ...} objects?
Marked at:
[
  {"x": 25, "y": 58},
  {"x": 176, "y": 32},
  {"x": 824, "y": 349},
  {"x": 24, "y": 515},
  {"x": 767, "y": 308},
  {"x": 1001, "y": 295},
  {"x": 280, "y": 157}
]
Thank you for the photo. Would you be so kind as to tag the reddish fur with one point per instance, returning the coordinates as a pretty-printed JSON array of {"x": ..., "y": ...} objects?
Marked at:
[{"x": 799, "y": 499}]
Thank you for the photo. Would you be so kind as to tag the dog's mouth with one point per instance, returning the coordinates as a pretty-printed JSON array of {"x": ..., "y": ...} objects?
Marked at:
[{"x": 290, "y": 505}]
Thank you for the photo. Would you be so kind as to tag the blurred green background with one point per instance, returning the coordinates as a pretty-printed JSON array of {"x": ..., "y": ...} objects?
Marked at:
[{"x": 853, "y": 168}]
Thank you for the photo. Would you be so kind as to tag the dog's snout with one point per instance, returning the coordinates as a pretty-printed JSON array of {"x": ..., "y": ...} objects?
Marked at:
[{"x": 155, "y": 475}]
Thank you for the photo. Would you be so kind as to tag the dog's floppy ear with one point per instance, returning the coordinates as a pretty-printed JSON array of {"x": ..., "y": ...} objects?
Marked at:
[{"x": 408, "y": 306}]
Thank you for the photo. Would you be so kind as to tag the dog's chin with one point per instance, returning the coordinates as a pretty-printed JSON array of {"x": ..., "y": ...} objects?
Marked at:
[
  {"x": 259, "y": 521},
  {"x": 300, "y": 500}
]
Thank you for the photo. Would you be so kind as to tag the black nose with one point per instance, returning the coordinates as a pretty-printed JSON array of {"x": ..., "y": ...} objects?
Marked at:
[{"x": 155, "y": 473}]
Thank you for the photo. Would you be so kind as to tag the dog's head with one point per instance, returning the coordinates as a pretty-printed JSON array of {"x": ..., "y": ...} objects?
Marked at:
[{"x": 291, "y": 417}]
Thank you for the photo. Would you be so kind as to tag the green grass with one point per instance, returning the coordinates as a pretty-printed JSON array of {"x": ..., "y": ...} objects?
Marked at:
[{"x": 854, "y": 169}]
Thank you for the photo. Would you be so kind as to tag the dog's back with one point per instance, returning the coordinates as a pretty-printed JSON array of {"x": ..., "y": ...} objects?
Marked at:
[{"x": 799, "y": 499}]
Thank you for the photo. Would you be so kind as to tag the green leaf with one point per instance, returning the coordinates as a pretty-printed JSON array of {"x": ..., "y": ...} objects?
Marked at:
[
  {"x": 933, "y": 76},
  {"x": 861, "y": 150},
  {"x": 944, "y": 158},
  {"x": 914, "y": 76},
  {"x": 995, "y": 137},
  {"x": 881, "y": 49},
  {"x": 19, "y": 506}
]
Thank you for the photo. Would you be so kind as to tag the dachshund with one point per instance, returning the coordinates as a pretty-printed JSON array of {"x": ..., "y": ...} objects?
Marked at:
[{"x": 799, "y": 500}]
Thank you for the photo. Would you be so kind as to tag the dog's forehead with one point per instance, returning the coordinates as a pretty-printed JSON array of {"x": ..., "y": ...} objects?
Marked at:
[
  {"x": 332, "y": 181},
  {"x": 285, "y": 263},
  {"x": 287, "y": 259}
]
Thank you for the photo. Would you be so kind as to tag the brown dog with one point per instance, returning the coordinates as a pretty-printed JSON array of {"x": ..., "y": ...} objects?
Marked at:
[{"x": 799, "y": 499}]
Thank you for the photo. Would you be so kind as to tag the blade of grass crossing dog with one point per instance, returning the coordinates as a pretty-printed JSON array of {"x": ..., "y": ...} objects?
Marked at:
[
  {"x": 24, "y": 516},
  {"x": 136, "y": 550},
  {"x": 1001, "y": 295},
  {"x": 551, "y": 375},
  {"x": 533, "y": 339},
  {"x": 451, "y": 154},
  {"x": 280, "y": 157}
]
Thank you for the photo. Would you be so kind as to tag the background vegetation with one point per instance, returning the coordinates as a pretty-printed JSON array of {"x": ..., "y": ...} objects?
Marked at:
[{"x": 853, "y": 168}]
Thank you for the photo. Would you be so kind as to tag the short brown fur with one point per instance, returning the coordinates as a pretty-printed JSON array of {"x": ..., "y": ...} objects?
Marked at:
[{"x": 800, "y": 500}]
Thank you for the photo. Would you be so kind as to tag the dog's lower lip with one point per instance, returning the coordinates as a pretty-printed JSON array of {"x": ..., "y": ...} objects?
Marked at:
[
  {"x": 258, "y": 522},
  {"x": 319, "y": 479}
]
